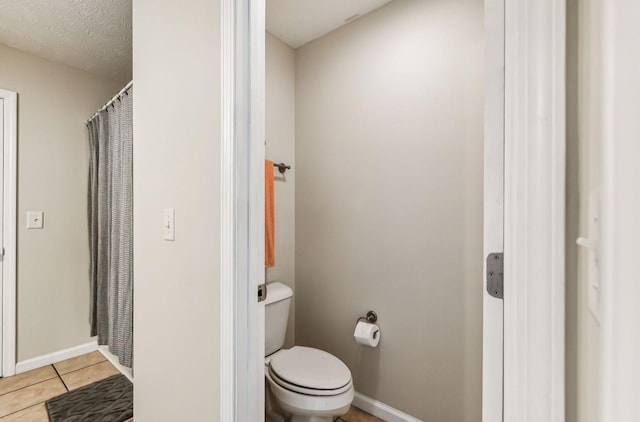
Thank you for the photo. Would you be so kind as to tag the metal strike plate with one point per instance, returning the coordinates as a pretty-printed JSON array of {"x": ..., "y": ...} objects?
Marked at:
[
  {"x": 495, "y": 275},
  {"x": 262, "y": 293}
]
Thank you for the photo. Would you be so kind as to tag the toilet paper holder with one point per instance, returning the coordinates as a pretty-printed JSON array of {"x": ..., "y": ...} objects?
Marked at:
[{"x": 371, "y": 317}]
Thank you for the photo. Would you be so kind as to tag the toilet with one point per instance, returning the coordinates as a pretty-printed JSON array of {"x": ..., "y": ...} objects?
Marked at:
[{"x": 303, "y": 384}]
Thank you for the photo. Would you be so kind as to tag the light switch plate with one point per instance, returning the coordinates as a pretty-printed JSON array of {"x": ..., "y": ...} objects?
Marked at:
[
  {"x": 168, "y": 224},
  {"x": 35, "y": 219}
]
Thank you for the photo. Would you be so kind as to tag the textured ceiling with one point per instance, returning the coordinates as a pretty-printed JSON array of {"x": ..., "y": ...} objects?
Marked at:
[
  {"x": 95, "y": 35},
  {"x": 298, "y": 22},
  {"x": 92, "y": 35}
]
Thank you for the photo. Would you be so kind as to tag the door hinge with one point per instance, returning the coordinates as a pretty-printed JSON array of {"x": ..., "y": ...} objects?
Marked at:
[
  {"x": 495, "y": 275},
  {"x": 262, "y": 293}
]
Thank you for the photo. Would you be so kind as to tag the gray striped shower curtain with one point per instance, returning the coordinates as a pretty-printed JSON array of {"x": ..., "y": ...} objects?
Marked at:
[{"x": 110, "y": 212}]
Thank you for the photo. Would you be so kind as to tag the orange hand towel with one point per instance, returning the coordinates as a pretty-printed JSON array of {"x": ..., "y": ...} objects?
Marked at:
[{"x": 269, "y": 216}]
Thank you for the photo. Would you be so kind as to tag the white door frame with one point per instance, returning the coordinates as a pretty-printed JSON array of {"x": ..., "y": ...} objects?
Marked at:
[
  {"x": 620, "y": 228},
  {"x": 534, "y": 165},
  {"x": 9, "y": 207},
  {"x": 492, "y": 307},
  {"x": 242, "y": 218}
]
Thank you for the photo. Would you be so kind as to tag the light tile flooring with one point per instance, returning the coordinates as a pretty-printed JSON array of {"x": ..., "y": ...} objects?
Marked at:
[
  {"x": 22, "y": 396},
  {"x": 357, "y": 415}
]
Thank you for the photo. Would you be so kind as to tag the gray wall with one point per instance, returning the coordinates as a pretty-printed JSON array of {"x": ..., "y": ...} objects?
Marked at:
[
  {"x": 176, "y": 68},
  {"x": 280, "y": 147},
  {"x": 584, "y": 134},
  {"x": 54, "y": 102},
  {"x": 389, "y": 169}
]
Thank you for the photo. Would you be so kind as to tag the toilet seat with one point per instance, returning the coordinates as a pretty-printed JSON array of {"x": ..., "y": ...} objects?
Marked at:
[
  {"x": 309, "y": 383},
  {"x": 308, "y": 391},
  {"x": 310, "y": 371},
  {"x": 310, "y": 405}
]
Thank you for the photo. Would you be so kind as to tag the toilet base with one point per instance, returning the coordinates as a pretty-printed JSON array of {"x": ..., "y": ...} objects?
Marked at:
[
  {"x": 275, "y": 413},
  {"x": 282, "y": 405}
]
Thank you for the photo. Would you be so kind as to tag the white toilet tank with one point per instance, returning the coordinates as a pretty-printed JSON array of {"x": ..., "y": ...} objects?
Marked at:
[{"x": 276, "y": 316}]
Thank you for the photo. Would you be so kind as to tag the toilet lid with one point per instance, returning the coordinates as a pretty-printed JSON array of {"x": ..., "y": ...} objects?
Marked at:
[{"x": 310, "y": 368}]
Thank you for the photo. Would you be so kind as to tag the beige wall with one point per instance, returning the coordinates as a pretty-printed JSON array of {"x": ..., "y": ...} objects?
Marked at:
[
  {"x": 389, "y": 169},
  {"x": 280, "y": 127},
  {"x": 54, "y": 102},
  {"x": 584, "y": 130},
  {"x": 176, "y": 68}
]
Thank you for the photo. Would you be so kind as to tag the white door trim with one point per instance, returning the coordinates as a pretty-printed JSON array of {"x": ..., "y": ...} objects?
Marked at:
[
  {"x": 493, "y": 308},
  {"x": 255, "y": 241},
  {"x": 9, "y": 200},
  {"x": 534, "y": 307},
  {"x": 242, "y": 221},
  {"x": 227, "y": 216},
  {"x": 620, "y": 236}
]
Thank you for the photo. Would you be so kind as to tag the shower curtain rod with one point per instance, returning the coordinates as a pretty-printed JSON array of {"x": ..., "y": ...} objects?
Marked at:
[{"x": 115, "y": 97}]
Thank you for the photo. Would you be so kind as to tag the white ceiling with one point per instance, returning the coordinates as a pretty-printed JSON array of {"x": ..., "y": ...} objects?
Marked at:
[
  {"x": 95, "y": 35},
  {"x": 92, "y": 35},
  {"x": 298, "y": 22}
]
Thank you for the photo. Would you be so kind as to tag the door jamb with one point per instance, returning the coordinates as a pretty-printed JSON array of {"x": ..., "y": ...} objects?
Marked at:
[
  {"x": 242, "y": 216},
  {"x": 493, "y": 236},
  {"x": 9, "y": 317}
]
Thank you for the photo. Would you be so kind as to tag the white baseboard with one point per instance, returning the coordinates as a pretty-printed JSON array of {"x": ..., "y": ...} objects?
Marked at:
[
  {"x": 51, "y": 358},
  {"x": 381, "y": 410},
  {"x": 127, "y": 372}
]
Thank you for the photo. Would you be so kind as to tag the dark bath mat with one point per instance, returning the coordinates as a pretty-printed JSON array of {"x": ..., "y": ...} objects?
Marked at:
[{"x": 109, "y": 400}]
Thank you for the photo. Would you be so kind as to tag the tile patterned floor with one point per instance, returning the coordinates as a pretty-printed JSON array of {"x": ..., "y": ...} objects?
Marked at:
[
  {"x": 357, "y": 415},
  {"x": 22, "y": 396}
]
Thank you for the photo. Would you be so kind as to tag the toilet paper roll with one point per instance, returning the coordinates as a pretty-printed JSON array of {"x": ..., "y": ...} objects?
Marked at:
[{"x": 367, "y": 333}]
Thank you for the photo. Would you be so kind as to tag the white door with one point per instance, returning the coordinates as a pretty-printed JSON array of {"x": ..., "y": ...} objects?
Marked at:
[
  {"x": 523, "y": 353},
  {"x": 493, "y": 310},
  {"x": 620, "y": 229}
]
